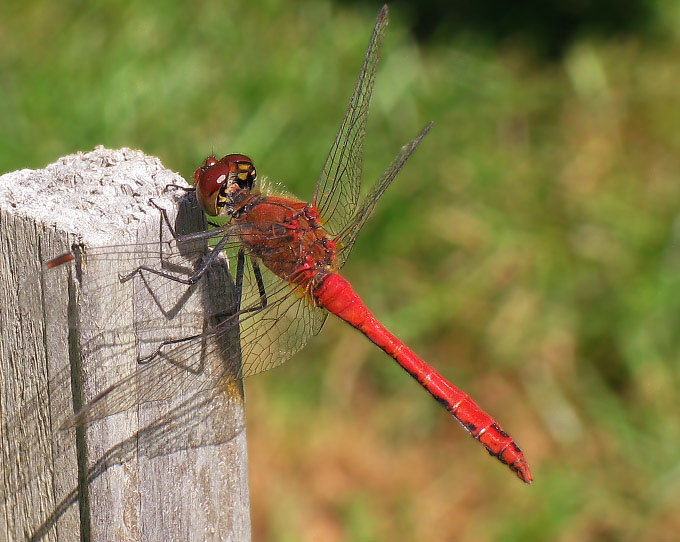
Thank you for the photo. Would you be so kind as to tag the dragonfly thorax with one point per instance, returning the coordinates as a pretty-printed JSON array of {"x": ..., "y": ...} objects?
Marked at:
[
  {"x": 221, "y": 185},
  {"x": 287, "y": 236}
]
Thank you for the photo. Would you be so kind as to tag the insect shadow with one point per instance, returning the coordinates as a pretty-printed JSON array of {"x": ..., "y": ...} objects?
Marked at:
[{"x": 212, "y": 415}]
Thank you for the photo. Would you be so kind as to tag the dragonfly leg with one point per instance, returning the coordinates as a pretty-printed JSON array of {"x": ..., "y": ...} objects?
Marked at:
[
  {"x": 240, "y": 265},
  {"x": 189, "y": 280},
  {"x": 238, "y": 287},
  {"x": 185, "y": 188},
  {"x": 166, "y": 219},
  {"x": 260, "y": 282},
  {"x": 240, "y": 269}
]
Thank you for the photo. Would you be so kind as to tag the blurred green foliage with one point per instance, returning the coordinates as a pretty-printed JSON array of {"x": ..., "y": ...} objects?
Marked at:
[
  {"x": 530, "y": 250},
  {"x": 546, "y": 29}
]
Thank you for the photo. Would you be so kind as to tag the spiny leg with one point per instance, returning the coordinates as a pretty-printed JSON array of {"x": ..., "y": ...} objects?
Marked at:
[
  {"x": 258, "y": 278},
  {"x": 166, "y": 219},
  {"x": 220, "y": 316},
  {"x": 240, "y": 267},
  {"x": 164, "y": 214},
  {"x": 260, "y": 282},
  {"x": 224, "y": 316},
  {"x": 238, "y": 287},
  {"x": 185, "y": 188},
  {"x": 190, "y": 280},
  {"x": 196, "y": 236}
]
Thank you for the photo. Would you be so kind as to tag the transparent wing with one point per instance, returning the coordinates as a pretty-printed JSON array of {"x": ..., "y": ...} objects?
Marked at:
[
  {"x": 271, "y": 335},
  {"x": 348, "y": 235},
  {"x": 189, "y": 338},
  {"x": 337, "y": 189}
]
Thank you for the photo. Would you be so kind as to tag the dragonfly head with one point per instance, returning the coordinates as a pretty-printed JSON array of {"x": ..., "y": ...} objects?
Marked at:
[{"x": 221, "y": 184}]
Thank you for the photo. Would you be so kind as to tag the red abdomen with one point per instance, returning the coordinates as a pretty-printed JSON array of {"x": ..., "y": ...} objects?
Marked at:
[{"x": 336, "y": 295}]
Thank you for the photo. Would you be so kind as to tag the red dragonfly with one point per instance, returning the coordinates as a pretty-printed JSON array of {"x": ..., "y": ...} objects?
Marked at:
[{"x": 288, "y": 254}]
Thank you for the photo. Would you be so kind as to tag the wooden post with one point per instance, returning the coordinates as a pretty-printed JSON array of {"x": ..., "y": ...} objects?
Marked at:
[{"x": 167, "y": 470}]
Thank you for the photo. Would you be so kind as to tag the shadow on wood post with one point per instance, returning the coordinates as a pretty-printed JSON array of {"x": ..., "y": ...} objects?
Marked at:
[{"x": 168, "y": 470}]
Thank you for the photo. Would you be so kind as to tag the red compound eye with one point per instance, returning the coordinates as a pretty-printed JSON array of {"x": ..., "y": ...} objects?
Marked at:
[
  {"x": 243, "y": 168},
  {"x": 231, "y": 174}
]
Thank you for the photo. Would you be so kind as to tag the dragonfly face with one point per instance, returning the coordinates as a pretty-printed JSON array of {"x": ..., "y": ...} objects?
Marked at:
[{"x": 222, "y": 184}]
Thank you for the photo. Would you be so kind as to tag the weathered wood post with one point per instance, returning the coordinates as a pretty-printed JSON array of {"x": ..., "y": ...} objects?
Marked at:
[{"x": 168, "y": 470}]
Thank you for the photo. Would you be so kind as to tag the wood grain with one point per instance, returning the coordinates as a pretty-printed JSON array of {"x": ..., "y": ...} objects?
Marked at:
[{"x": 167, "y": 470}]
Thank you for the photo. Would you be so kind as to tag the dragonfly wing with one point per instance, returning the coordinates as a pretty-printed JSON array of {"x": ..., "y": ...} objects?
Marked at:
[
  {"x": 337, "y": 189},
  {"x": 271, "y": 336},
  {"x": 349, "y": 235},
  {"x": 228, "y": 346}
]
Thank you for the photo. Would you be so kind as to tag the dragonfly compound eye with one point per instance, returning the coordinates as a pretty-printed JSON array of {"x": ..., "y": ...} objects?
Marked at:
[
  {"x": 243, "y": 168},
  {"x": 219, "y": 181},
  {"x": 211, "y": 182},
  {"x": 209, "y": 162}
]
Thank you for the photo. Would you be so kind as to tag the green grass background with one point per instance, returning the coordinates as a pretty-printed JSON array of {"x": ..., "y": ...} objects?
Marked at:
[{"x": 530, "y": 250}]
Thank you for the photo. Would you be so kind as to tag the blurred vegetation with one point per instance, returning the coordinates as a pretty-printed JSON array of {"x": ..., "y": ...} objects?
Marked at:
[
  {"x": 545, "y": 29},
  {"x": 530, "y": 250}
]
